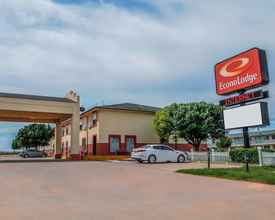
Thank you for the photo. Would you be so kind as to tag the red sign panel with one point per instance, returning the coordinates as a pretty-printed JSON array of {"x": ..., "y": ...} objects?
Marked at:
[{"x": 246, "y": 70}]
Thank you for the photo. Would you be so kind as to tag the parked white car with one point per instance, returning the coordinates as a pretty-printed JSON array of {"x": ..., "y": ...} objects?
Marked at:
[{"x": 159, "y": 153}]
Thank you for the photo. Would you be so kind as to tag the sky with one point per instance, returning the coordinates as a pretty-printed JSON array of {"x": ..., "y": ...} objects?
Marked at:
[{"x": 152, "y": 52}]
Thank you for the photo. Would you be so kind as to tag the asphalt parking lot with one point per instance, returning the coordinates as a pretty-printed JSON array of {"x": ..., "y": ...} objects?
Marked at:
[{"x": 126, "y": 190}]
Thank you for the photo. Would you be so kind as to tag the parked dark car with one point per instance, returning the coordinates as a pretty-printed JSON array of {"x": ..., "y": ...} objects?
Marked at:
[{"x": 32, "y": 153}]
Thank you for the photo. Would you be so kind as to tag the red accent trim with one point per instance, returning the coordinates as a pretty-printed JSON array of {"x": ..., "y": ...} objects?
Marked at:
[
  {"x": 90, "y": 148},
  {"x": 183, "y": 147},
  {"x": 109, "y": 141},
  {"x": 75, "y": 156},
  {"x": 104, "y": 148},
  {"x": 188, "y": 147},
  {"x": 66, "y": 152},
  {"x": 58, "y": 156}
]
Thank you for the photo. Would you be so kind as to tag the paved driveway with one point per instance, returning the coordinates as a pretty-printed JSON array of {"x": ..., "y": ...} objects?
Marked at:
[{"x": 125, "y": 190}]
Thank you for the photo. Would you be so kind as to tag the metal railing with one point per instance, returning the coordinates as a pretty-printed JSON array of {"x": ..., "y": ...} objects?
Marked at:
[
  {"x": 268, "y": 159},
  {"x": 214, "y": 156},
  {"x": 255, "y": 143}
]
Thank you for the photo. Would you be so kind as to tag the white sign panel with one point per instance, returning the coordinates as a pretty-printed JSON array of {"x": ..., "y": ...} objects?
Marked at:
[{"x": 245, "y": 116}]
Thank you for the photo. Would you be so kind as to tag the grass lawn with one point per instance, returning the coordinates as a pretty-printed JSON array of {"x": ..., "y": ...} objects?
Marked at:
[{"x": 256, "y": 174}]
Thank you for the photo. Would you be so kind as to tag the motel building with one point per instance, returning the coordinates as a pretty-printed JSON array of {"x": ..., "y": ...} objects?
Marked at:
[
  {"x": 115, "y": 129},
  {"x": 258, "y": 138}
]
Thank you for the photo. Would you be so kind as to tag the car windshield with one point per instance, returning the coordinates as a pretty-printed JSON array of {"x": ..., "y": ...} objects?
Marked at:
[
  {"x": 169, "y": 148},
  {"x": 163, "y": 147}
]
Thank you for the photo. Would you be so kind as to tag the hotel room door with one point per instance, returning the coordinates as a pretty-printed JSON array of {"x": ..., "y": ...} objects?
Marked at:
[{"x": 130, "y": 143}]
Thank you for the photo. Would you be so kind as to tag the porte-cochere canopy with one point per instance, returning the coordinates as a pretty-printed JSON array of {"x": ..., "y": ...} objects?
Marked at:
[{"x": 44, "y": 109}]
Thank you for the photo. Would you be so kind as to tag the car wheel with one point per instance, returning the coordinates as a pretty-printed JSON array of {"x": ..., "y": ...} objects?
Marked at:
[
  {"x": 181, "y": 159},
  {"x": 152, "y": 159},
  {"x": 140, "y": 161},
  {"x": 26, "y": 156}
]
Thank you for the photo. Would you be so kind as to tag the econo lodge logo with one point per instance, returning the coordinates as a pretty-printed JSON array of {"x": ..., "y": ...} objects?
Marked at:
[
  {"x": 239, "y": 72},
  {"x": 235, "y": 67}
]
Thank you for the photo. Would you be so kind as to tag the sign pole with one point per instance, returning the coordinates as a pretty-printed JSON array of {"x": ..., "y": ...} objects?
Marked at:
[
  {"x": 245, "y": 129},
  {"x": 246, "y": 137},
  {"x": 246, "y": 140}
]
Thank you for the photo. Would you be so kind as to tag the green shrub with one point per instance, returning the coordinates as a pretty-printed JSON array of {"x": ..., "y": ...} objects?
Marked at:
[
  {"x": 238, "y": 155},
  {"x": 224, "y": 143}
]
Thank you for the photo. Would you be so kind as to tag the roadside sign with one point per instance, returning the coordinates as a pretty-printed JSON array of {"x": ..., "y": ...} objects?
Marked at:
[
  {"x": 251, "y": 115},
  {"x": 240, "y": 73},
  {"x": 243, "y": 98},
  {"x": 243, "y": 71}
]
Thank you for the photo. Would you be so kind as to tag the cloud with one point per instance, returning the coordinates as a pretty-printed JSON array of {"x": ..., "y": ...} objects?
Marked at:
[{"x": 113, "y": 53}]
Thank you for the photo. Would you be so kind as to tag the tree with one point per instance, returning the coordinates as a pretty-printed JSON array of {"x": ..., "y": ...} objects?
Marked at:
[
  {"x": 224, "y": 142},
  {"x": 200, "y": 121},
  {"x": 33, "y": 135},
  {"x": 167, "y": 123},
  {"x": 195, "y": 122},
  {"x": 161, "y": 126},
  {"x": 15, "y": 144}
]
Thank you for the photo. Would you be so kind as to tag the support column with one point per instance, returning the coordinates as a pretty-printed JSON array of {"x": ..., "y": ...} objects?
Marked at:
[
  {"x": 58, "y": 151},
  {"x": 75, "y": 130}
]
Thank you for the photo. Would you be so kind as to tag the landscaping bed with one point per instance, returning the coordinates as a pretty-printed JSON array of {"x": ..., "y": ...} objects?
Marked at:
[
  {"x": 7, "y": 153},
  {"x": 106, "y": 157},
  {"x": 256, "y": 174}
]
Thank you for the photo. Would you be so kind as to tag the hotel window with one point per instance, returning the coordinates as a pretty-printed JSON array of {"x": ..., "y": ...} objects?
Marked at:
[
  {"x": 93, "y": 120},
  {"x": 63, "y": 132},
  {"x": 273, "y": 136},
  {"x": 261, "y": 139},
  {"x": 84, "y": 124},
  {"x": 238, "y": 141},
  {"x": 67, "y": 130}
]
